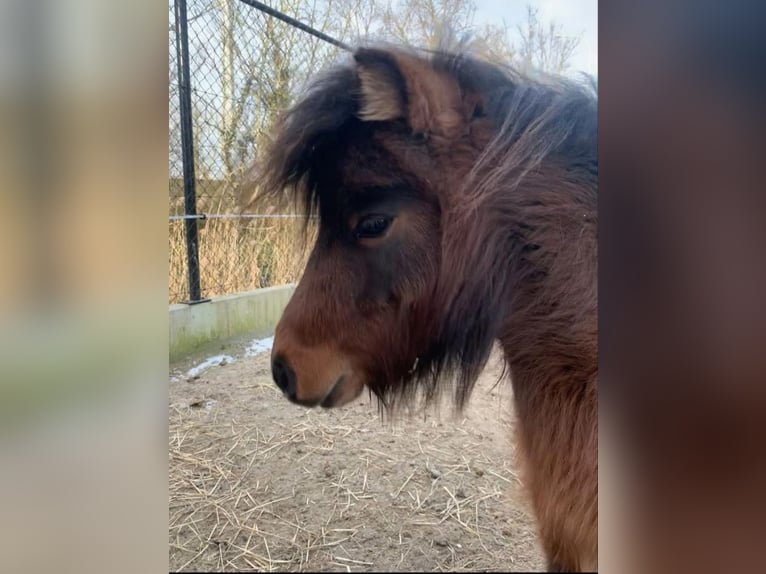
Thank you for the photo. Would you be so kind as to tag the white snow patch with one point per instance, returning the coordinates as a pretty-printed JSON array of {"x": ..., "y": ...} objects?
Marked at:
[
  {"x": 207, "y": 363},
  {"x": 258, "y": 346}
]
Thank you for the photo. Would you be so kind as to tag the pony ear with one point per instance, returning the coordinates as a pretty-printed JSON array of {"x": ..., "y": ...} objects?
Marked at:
[
  {"x": 396, "y": 85},
  {"x": 383, "y": 88}
]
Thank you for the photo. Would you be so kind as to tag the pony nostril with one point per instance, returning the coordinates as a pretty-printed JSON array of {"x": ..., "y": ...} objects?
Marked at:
[{"x": 284, "y": 376}]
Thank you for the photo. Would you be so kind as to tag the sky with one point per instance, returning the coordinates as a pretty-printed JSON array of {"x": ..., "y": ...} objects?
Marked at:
[{"x": 574, "y": 16}]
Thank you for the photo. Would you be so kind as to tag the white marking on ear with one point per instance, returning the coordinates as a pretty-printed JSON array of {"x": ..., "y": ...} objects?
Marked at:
[{"x": 381, "y": 99}]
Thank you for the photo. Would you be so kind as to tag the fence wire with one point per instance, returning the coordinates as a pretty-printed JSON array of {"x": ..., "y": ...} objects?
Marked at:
[{"x": 245, "y": 65}]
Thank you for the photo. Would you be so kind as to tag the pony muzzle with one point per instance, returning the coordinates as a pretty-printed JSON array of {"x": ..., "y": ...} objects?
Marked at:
[{"x": 314, "y": 376}]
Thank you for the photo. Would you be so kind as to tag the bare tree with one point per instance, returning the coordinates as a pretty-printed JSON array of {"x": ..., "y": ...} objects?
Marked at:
[
  {"x": 423, "y": 23},
  {"x": 543, "y": 46},
  {"x": 534, "y": 45},
  {"x": 228, "y": 120},
  {"x": 247, "y": 67}
]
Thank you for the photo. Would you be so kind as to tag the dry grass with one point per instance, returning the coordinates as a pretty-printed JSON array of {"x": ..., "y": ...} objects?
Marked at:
[
  {"x": 261, "y": 484},
  {"x": 239, "y": 255}
]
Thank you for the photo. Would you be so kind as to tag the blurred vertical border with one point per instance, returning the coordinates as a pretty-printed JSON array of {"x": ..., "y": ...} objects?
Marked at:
[
  {"x": 682, "y": 102},
  {"x": 83, "y": 286}
]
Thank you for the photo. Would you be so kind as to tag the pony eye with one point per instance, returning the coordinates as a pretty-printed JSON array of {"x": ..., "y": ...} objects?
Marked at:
[{"x": 372, "y": 226}]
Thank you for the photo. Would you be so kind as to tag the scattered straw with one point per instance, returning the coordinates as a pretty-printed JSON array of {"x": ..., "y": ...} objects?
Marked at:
[{"x": 275, "y": 489}]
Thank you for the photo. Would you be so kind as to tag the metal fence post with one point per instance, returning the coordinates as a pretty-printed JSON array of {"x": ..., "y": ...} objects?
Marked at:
[{"x": 187, "y": 150}]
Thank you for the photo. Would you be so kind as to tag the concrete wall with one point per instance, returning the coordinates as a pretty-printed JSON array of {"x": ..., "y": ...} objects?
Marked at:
[{"x": 192, "y": 327}]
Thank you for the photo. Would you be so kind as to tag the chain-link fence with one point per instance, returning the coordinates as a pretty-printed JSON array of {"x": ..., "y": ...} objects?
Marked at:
[{"x": 233, "y": 66}]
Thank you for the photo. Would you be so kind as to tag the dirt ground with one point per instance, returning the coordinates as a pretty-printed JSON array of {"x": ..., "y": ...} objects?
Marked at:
[{"x": 257, "y": 483}]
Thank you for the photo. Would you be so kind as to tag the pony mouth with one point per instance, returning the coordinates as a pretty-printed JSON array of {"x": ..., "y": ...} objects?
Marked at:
[
  {"x": 332, "y": 397},
  {"x": 346, "y": 389},
  {"x": 338, "y": 395}
]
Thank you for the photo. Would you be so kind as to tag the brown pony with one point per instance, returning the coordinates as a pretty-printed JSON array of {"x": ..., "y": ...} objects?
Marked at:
[{"x": 457, "y": 206}]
